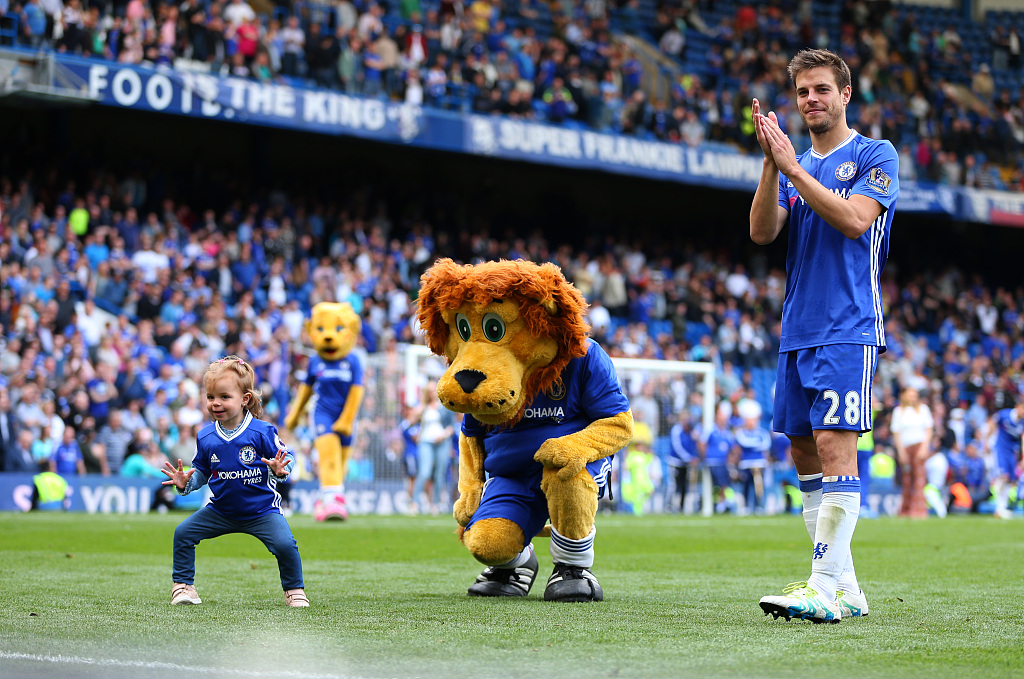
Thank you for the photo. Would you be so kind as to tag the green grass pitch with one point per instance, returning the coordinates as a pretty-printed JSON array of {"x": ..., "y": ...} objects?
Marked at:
[{"x": 87, "y": 596}]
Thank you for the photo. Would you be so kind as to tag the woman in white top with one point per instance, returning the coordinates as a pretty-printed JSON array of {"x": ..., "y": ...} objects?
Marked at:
[
  {"x": 434, "y": 449},
  {"x": 912, "y": 427}
]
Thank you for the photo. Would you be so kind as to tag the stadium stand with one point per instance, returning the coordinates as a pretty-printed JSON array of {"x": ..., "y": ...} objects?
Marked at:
[
  {"x": 943, "y": 87},
  {"x": 180, "y": 288},
  {"x": 104, "y": 274}
]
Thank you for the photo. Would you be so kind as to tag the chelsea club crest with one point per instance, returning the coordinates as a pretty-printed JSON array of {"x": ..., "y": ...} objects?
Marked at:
[
  {"x": 247, "y": 455},
  {"x": 557, "y": 391},
  {"x": 846, "y": 171}
]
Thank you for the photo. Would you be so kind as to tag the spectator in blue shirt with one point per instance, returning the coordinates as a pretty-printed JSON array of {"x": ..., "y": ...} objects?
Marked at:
[
  {"x": 245, "y": 272},
  {"x": 34, "y": 23},
  {"x": 67, "y": 459},
  {"x": 683, "y": 455},
  {"x": 968, "y": 470}
]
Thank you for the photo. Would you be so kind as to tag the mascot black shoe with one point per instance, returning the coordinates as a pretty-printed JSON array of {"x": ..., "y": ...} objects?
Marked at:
[
  {"x": 572, "y": 583},
  {"x": 495, "y": 581}
]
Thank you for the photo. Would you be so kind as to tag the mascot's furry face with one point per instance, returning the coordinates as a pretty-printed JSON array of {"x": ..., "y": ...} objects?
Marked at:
[
  {"x": 507, "y": 330},
  {"x": 333, "y": 327}
]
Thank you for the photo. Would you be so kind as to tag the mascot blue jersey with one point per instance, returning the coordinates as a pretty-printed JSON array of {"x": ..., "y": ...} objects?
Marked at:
[
  {"x": 832, "y": 283},
  {"x": 332, "y": 380},
  {"x": 589, "y": 391},
  {"x": 243, "y": 487}
]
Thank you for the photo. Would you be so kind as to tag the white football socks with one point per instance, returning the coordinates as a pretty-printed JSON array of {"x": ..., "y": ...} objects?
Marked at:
[
  {"x": 1002, "y": 493},
  {"x": 573, "y": 552},
  {"x": 519, "y": 560},
  {"x": 837, "y": 519},
  {"x": 810, "y": 491}
]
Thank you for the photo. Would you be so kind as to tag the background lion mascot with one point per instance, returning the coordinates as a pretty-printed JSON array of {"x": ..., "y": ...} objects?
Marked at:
[
  {"x": 544, "y": 413},
  {"x": 336, "y": 376}
]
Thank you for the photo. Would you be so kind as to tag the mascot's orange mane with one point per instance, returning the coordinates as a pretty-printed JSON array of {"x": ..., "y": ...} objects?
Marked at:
[{"x": 548, "y": 304}]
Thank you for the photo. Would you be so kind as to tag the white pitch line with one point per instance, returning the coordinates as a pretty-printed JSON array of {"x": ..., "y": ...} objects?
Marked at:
[{"x": 150, "y": 665}]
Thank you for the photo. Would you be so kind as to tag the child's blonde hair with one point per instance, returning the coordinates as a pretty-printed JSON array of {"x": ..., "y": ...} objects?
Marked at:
[{"x": 246, "y": 376}]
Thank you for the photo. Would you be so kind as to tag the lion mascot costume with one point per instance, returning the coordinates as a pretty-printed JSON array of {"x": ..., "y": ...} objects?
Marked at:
[
  {"x": 336, "y": 376},
  {"x": 543, "y": 415}
]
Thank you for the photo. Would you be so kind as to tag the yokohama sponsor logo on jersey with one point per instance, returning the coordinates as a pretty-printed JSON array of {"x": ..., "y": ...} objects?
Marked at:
[
  {"x": 241, "y": 474},
  {"x": 534, "y": 413}
]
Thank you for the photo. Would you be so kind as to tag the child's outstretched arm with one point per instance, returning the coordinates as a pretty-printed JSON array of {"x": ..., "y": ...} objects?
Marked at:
[{"x": 183, "y": 481}]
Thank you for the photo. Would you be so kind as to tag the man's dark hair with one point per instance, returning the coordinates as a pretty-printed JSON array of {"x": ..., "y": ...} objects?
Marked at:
[{"x": 808, "y": 59}]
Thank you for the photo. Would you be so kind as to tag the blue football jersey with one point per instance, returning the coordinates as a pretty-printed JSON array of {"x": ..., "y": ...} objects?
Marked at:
[
  {"x": 682, "y": 446},
  {"x": 755, "y": 446},
  {"x": 332, "y": 380},
  {"x": 1008, "y": 432},
  {"x": 242, "y": 485},
  {"x": 833, "y": 294},
  {"x": 780, "y": 447},
  {"x": 65, "y": 458},
  {"x": 717, "y": 446},
  {"x": 589, "y": 391}
]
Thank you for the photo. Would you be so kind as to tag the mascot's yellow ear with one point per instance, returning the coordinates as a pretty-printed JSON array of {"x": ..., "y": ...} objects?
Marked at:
[{"x": 549, "y": 306}]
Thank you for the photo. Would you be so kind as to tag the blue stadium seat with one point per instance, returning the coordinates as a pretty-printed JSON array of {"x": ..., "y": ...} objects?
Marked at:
[
  {"x": 695, "y": 331},
  {"x": 9, "y": 30},
  {"x": 660, "y": 327}
]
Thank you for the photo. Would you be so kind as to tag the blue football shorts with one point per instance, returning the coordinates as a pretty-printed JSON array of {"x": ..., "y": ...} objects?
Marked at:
[
  {"x": 1006, "y": 462},
  {"x": 826, "y": 387},
  {"x": 720, "y": 477},
  {"x": 324, "y": 424},
  {"x": 520, "y": 499}
]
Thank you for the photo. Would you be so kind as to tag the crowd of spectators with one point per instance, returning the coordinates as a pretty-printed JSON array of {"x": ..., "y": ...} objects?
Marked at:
[
  {"x": 526, "y": 60},
  {"x": 948, "y": 92},
  {"x": 110, "y": 309},
  {"x": 952, "y": 106},
  {"x": 109, "y": 316}
]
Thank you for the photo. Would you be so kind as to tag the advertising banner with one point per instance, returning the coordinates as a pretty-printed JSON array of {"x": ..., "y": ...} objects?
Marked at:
[{"x": 283, "y": 105}]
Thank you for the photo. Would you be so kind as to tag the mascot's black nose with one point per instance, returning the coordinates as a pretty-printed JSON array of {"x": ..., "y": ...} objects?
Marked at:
[{"x": 468, "y": 379}]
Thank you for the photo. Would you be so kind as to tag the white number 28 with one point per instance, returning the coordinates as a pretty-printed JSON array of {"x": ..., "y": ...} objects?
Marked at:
[{"x": 852, "y": 412}]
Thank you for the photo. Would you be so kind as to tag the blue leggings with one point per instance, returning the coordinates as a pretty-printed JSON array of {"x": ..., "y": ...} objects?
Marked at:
[{"x": 271, "y": 529}]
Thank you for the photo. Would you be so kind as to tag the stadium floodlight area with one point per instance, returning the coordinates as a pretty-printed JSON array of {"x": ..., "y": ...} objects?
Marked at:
[{"x": 669, "y": 382}]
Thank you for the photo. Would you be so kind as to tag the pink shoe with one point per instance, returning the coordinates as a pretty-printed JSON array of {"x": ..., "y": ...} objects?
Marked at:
[
  {"x": 296, "y": 598},
  {"x": 184, "y": 594},
  {"x": 332, "y": 510}
]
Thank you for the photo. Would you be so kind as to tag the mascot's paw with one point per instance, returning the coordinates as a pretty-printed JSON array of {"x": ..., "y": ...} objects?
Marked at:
[
  {"x": 572, "y": 583},
  {"x": 333, "y": 510},
  {"x": 567, "y": 461},
  {"x": 465, "y": 507},
  {"x": 506, "y": 581}
]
